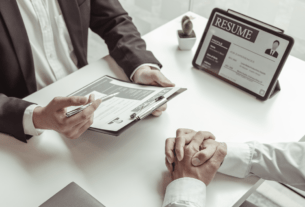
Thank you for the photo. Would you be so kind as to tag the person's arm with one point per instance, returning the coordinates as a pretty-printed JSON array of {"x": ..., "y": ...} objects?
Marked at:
[
  {"x": 11, "y": 116},
  {"x": 185, "y": 192},
  {"x": 188, "y": 188},
  {"x": 281, "y": 162},
  {"x": 27, "y": 122},
  {"x": 14, "y": 118},
  {"x": 111, "y": 22}
]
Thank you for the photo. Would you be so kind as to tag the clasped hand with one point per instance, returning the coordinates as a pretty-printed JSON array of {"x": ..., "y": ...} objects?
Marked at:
[{"x": 194, "y": 154}]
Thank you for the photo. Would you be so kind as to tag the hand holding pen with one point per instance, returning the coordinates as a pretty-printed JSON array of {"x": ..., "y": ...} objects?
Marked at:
[
  {"x": 53, "y": 116},
  {"x": 79, "y": 109}
]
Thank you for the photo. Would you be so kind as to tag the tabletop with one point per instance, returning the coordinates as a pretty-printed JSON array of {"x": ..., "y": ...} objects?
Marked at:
[{"x": 129, "y": 170}]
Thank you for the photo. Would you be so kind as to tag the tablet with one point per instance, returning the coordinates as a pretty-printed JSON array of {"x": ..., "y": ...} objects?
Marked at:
[{"x": 242, "y": 53}]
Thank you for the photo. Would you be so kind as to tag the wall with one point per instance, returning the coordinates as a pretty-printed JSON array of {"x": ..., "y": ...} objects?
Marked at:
[
  {"x": 285, "y": 14},
  {"x": 150, "y": 14}
]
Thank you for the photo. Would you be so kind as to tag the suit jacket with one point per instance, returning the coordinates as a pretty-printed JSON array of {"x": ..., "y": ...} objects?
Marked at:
[
  {"x": 275, "y": 54},
  {"x": 107, "y": 18}
]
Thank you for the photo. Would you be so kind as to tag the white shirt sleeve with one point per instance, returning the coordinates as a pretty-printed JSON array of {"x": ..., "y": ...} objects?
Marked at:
[
  {"x": 237, "y": 161},
  {"x": 185, "y": 192},
  {"x": 27, "y": 122},
  {"x": 281, "y": 162},
  {"x": 148, "y": 64}
]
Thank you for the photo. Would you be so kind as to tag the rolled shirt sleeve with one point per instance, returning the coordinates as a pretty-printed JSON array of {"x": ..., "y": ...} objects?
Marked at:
[
  {"x": 237, "y": 162},
  {"x": 28, "y": 125},
  {"x": 185, "y": 192},
  {"x": 281, "y": 162}
]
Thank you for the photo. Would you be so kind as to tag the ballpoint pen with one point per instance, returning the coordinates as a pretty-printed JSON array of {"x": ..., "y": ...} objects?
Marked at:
[
  {"x": 156, "y": 104},
  {"x": 79, "y": 109}
]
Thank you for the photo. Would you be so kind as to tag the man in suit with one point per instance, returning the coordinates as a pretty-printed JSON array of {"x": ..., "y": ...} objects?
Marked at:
[
  {"x": 42, "y": 41},
  {"x": 273, "y": 51},
  {"x": 193, "y": 158}
]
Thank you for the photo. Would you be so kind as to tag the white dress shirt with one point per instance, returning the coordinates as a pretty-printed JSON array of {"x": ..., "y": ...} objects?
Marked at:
[
  {"x": 52, "y": 49},
  {"x": 281, "y": 162}
]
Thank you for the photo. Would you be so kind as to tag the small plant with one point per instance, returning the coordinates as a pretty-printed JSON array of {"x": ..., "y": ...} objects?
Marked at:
[
  {"x": 186, "y": 36},
  {"x": 187, "y": 28}
]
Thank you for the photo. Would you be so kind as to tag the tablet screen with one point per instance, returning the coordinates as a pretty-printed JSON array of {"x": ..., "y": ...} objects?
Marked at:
[{"x": 241, "y": 53}]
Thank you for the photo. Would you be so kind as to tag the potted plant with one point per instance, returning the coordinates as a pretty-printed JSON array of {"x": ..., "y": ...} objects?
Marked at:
[{"x": 186, "y": 36}]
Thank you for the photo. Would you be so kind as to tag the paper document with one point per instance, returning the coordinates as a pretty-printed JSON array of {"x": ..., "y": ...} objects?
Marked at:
[{"x": 114, "y": 114}]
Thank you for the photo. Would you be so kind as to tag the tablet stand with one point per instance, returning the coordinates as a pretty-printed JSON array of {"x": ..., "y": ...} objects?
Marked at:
[{"x": 276, "y": 88}]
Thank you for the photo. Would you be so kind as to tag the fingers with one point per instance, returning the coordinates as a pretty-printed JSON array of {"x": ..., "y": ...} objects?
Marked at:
[
  {"x": 73, "y": 133},
  {"x": 218, "y": 157},
  {"x": 185, "y": 132},
  {"x": 159, "y": 78},
  {"x": 209, "y": 148},
  {"x": 159, "y": 111},
  {"x": 85, "y": 114},
  {"x": 198, "y": 139},
  {"x": 63, "y": 102},
  {"x": 183, "y": 137},
  {"x": 169, "y": 149},
  {"x": 90, "y": 110},
  {"x": 169, "y": 166},
  {"x": 179, "y": 149},
  {"x": 85, "y": 127},
  {"x": 79, "y": 129},
  {"x": 91, "y": 98}
]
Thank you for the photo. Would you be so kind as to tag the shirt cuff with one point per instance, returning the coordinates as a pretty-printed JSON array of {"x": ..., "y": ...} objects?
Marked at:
[
  {"x": 27, "y": 122},
  {"x": 237, "y": 162},
  {"x": 147, "y": 64},
  {"x": 185, "y": 190}
]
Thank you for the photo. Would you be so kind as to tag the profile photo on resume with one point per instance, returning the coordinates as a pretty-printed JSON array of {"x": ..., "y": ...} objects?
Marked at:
[{"x": 272, "y": 51}]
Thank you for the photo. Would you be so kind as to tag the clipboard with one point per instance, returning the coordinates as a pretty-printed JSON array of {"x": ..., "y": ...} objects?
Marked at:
[
  {"x": 216, "y": 52},
  {"x": 117, "y": 133},
  {"x": 152, "y": 106}
]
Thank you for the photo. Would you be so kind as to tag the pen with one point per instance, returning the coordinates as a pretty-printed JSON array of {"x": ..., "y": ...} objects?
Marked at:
[
  {"x": 79, "y": 109},
  {"x": 134, "y": 115}
]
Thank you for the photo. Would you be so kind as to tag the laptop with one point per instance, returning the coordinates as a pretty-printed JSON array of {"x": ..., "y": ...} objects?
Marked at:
[{"x": 72, "y": 196}]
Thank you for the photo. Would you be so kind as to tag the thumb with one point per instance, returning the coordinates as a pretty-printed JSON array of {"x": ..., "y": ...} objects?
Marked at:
[
  {"x": 220, "y": 154},
  {"x": 63, "y": 102},
  {"x": 202, "y": 156},
  {"x": 199, "y": 158},
  {"x": 162, "y": 80}
]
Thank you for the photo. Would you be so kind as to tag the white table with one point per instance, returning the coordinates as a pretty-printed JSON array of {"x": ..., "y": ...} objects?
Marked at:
[{"x": 129, "y": 170}]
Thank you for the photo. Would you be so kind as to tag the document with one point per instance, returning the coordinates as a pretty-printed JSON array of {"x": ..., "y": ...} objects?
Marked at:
[
  {"x": 241, "y": 53},
  {"x": 114, "y": 114}
]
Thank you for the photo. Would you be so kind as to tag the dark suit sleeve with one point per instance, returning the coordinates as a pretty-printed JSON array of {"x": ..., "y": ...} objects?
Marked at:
[
  {"x": 11, "y": 116},
  {"x": 111, "y": 22}
]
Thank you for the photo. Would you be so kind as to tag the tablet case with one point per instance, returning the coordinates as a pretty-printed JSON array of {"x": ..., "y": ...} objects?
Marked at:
[
  {"x": 276, "y": 87},
  {"x": 72, "y": 196}
]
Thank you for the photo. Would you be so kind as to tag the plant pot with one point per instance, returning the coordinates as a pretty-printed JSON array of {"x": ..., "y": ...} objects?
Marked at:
[{"x": 186, "y": 42}]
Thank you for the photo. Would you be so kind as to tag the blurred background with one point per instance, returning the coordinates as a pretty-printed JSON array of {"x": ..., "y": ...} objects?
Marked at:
[
  {"x": 147, "y": 15},
  {"x": 288, "y": 15}
]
